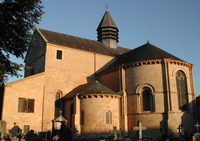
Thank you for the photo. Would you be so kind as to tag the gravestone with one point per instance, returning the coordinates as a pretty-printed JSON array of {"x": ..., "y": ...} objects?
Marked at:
[
  {"x": 120, "y": 135},
  {"x": 114, "y": 132},
  {"x": 197, "y": 125},
  {"x": 32, "y": 136},
  {"x": 140, "y": 129},
  {"x": 15, "y": 130},
  {"x": 196, "y": 137}
]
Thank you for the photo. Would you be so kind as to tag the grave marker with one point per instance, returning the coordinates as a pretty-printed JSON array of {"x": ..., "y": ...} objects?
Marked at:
[
  {"x": 196, "y": 137},
  {"x": 115, "y": 131},
  {"x": 197, "y": 125},
  {"x": 120, "y": 135},
  {"x": 140, "y": 129},
  {"x": 15, "y": 130}
]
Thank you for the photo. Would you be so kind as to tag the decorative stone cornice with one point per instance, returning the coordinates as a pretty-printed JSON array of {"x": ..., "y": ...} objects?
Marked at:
[
  {"x": 148, "y": 62},
  {"x": 180, "y": 63},
  {"x": 141, "y": 63},
  {"x": 99, "y": 96},
  {"x": 158, "y": 61}
]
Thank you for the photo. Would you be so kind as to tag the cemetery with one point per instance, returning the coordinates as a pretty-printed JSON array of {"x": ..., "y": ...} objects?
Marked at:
[{"x": 60, "y": 132}]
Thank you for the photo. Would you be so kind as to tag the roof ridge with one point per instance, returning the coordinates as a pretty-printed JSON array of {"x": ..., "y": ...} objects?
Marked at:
[{"x": 67, "y": 34}]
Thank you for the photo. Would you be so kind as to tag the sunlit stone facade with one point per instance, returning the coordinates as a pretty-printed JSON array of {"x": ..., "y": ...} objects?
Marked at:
[{"x": 98, "y": 87}]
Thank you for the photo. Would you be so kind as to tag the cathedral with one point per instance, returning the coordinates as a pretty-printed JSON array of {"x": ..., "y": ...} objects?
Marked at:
[{"x": 99, "y": 85}]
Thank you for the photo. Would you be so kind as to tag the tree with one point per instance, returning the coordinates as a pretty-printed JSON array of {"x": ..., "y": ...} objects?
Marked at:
[{"x": 17, "y": 21}]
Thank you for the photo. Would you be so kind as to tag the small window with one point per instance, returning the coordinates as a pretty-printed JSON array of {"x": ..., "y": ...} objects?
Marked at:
[
  {"x": 108, "y": 118},
  {"x": 59, "y": 55},
  {"x": 26, "y": 105}
]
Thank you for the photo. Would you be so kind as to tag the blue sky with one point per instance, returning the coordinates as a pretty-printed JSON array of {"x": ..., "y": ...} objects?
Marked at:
[{"x": 172, "y": 25}]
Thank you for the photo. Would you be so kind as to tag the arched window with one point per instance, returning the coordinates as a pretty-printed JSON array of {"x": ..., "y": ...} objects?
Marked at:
[
  {"x": 108, "y": 117},
  {"x": 181, "y": 82},
  {"x": 58, "y": 104},
  {"x": 147, "y": 99}
]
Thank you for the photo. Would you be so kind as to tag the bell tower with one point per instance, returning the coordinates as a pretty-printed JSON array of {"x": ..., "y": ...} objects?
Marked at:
[{"x": 107, "y": 31}]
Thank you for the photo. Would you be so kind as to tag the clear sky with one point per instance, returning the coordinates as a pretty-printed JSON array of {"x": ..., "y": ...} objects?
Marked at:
[{"x": 172, "y": 25}]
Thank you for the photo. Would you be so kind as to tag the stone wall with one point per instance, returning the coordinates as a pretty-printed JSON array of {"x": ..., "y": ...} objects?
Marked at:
[
  {"x": 95, "y": 108},
  {"x": 29, "y": 88},
  {"x": 161, "y": 79}
]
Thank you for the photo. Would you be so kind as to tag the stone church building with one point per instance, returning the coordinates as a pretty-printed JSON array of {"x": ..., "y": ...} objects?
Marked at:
[{"x": 99, "y": 85}]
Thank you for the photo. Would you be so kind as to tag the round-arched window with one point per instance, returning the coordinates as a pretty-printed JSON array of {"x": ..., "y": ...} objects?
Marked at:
[
  {"x": 147, "y": 99},
  {"x": 181, "y": 82},
  {"x": 108, "y": 117}
]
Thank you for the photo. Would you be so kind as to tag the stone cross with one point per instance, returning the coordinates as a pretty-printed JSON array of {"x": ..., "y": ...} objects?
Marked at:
[
  {"x": 181, "y": 129},
  {"x": 115, "y": 131},
  {"x": 197, "y": 125},
  {"x": 139, "y": 128}
]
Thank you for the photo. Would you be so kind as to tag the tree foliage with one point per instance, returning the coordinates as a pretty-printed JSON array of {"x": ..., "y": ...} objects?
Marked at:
[{"x": 17, "y": 20}]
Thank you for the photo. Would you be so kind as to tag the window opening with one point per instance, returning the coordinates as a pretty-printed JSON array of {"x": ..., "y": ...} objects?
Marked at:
[
  {"x": 147, "y": 99},
  {"x": 181, "y": 83},
  {"x": 59, "y": 55},
  {"x": 108, "y": 118},
  {"x": 26, "y": 105},
  {"x": 58, "y": 104}
]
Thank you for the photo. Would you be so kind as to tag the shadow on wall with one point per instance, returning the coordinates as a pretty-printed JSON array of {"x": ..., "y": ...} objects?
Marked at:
[
  {"x": 1, "y": 99},
  {"x": 172, "y": 125},
  {"x": 189, "y": 118},
  {"x": 178, "y": 124}
]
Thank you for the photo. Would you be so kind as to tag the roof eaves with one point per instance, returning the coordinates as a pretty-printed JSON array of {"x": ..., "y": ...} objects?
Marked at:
[{"x": 45, "y": 39}]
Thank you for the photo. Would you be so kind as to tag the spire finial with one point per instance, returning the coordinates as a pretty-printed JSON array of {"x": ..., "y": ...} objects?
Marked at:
[
  {"x": 106, "y": 7},
  {"x": 60, "y": 112}
]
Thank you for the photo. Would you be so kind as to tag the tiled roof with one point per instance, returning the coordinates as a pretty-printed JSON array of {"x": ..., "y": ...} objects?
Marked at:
[
  {"x": 107, "y": 21},
  {"x": 142, "y": 53},
  {"x": 80, "y": 43},
  {"x": 90, "y": 88},
  {"x": 147, "y": 52}
]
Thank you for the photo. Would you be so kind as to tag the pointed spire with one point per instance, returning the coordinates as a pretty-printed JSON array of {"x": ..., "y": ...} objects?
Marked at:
[
  {"x": 106, "y": 7},
  {"x": 107, "y": 31},
  {"x": 107, "y": 21}
]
